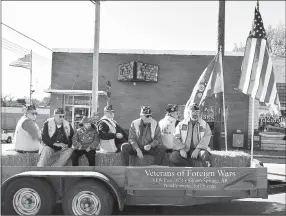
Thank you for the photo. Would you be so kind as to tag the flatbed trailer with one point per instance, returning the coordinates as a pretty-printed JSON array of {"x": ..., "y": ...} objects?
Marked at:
[{"x": 101, "y": 190}]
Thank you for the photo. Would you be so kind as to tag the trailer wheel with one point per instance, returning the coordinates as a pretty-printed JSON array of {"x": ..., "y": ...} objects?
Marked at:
[
  {"x": 88, "y": 197},
  {"x": 28, "y": 196}
]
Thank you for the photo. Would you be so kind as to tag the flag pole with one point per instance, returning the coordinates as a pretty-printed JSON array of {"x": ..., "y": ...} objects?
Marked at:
[
  {"x": 31, "y": 79},
  {"x": 252, "y": 130},
  {"x": 223, "y": 101},
  {"x": 218, "y": 96}
]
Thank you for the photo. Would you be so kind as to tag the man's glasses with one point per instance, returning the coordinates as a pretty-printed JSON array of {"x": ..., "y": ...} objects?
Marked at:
[
  {"x": 148, "y": 116},
  {"x": 61, "y": 116},
  {"x": 35, "y": 113}
]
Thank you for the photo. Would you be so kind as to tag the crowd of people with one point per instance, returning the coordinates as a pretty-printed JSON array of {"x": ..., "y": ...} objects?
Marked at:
[{"x": 57, "y": 142}]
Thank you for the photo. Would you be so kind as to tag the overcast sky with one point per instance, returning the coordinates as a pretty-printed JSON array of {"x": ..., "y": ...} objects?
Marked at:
[{"x": 170, "y": 25}]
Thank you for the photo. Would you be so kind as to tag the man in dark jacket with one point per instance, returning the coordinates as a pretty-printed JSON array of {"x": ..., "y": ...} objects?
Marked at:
[
  {"x": 57, "y": 141},
  {"x": 111, "y": 135}
]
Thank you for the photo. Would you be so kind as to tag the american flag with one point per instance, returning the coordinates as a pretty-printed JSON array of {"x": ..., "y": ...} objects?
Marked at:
[
  {"x": 209, "y": 83},
  {"x": 257, "y": 73},
  {"x": 24, "y": 62}
]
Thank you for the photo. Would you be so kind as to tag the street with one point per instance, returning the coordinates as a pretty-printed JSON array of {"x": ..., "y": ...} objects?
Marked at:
[{"x": 274, "y": 205}]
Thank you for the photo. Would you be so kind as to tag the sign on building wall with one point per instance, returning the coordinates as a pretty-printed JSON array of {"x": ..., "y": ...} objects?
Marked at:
[
  {"x": 125, "y": 71},
  {"x": 138, "y": 72},
  {"x": 147, "y": 72}
]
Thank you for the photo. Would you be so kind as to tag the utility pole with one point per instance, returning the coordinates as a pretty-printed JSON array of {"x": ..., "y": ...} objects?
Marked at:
[
  {"x": 219, "y": 96},
  {"x": 31, "y": 72},
  {"x": 95, "y": 66}
]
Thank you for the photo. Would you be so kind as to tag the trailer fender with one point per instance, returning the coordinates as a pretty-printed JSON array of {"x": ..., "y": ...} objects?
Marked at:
[{"x": 109, "y": 182}]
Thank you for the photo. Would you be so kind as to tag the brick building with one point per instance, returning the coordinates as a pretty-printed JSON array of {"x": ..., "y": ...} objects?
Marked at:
[{"x": 178, "y": 72}]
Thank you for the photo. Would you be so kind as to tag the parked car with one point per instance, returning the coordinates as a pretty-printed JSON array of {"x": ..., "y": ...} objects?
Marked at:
[{"x": 6, "y": 136}]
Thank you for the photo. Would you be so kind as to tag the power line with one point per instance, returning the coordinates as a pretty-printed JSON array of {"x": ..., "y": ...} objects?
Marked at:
[
  {"x": 15, "y": 47},
  {"x": 27, "y": 36}
]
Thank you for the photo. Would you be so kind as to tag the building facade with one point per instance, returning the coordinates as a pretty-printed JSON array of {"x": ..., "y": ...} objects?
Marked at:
[{"x": 162, "y": 77}]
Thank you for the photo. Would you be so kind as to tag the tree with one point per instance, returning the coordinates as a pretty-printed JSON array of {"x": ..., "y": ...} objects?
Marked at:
[
  {"x": 276, "y": 40},
  {"x": 6, "y": 100},
  {"x": 46, "y": 101},
  {"x": 35, "y": 101}
]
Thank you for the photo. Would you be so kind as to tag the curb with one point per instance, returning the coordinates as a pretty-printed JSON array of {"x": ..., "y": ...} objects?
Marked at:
[{"x": 269, "y": 156}]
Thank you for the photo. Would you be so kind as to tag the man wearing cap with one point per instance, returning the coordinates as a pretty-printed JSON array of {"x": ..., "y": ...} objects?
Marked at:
[
  {"x": 57, "y": 139},
  {"x": 85, "y": 142},
  {"x": 144, "y": 138},
  {"x": 191, "y": 140},
  {"x": 111, "y": 135},
  {"x": 168, "y": 126},
  {"x": 27, "y": 133}
]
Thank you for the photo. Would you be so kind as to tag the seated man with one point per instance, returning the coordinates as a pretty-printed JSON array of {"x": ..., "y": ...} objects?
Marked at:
[
  {"x": 144, "y": 138},
  {"x": 57, "y": 141},
  {"x": 85, "y": 142},
  {"x": 27, "y": 133},
  {"x": 168, "y": 126},
  {"x": 111, "y": 135},
  {"x": 191, "y": 140}
]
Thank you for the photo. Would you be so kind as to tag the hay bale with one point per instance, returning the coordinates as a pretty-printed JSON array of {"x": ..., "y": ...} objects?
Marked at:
[
  {"x": 230, "y": 159},
  {"x": 218, "y": 159},
  {"x": 13, "y": 158}
]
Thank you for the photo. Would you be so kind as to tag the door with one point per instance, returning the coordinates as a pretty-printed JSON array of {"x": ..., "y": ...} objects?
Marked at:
[{"x": 78, "y": 113}]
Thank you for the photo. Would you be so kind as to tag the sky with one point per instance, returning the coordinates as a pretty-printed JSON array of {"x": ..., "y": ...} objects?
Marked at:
[{"x": 162, "y": 25}]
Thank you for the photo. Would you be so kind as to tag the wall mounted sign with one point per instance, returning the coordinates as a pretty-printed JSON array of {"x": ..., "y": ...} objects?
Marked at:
[
  {"x": 126, "y": 71},
  {"x": 138, "y": 72}
]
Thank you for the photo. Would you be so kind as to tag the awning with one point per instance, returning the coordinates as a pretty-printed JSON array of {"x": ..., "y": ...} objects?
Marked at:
[{"x": 73, "y": 92}]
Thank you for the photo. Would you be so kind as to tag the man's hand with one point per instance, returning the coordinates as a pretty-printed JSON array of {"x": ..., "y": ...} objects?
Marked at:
[
  {"x": 195, "y": 154},
  {"x": 119, "y": 135},
  {"x": 63, "y": 146},
  {"x": 183, "y": 153},
  {"x": 139, "y": 153},
  {"x": 88, "y": 149},
  {"x": 147, "y": 147}
]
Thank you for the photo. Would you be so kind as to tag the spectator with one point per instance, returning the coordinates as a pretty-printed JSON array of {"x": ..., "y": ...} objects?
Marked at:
[
  {"x": 27, "y": 133},
  {"x": 57, "y": 141},
  {"x": 191, "y": 140},
  {"x": 85, "y": 142},
  {"x": 144, "y": 138},
  {"x": 111, "y": 135}
]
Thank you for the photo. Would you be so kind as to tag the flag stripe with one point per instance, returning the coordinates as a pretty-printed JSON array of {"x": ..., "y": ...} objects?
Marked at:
[
  {"x": 248, "y": 65},
  {"x": 267, "y": 79},
  {"x": 273, "y": 93},
  {"x": 259, "y": 67},
  {"x": 269, "y": 87},
  {"x": 263, "y": 74},
  {"x": 254, "y": 67}
]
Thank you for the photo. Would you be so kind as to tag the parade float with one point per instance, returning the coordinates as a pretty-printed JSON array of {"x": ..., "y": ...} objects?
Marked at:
[{"x": 30, "y": 190}]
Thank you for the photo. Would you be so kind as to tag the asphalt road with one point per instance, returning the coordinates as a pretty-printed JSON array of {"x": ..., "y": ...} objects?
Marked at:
[{"x": 274, "y": 205}]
